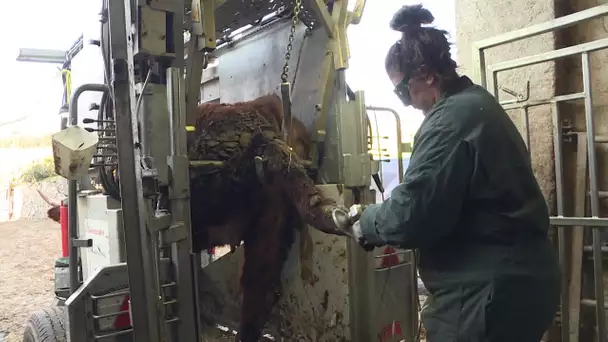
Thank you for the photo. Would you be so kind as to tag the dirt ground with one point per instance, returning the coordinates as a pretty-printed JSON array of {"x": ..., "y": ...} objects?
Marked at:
[{"x": 27, "y": 255}]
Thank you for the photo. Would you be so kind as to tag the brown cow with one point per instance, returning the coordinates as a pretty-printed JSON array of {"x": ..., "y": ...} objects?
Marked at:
[{"x": 233, "y": 203}]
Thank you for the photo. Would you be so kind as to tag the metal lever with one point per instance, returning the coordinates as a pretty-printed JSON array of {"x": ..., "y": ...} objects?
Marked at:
[
  {"x": 82, "y": 243},
  {"x": 378, "y": 182},
  {"x": 89, "y": 120}
]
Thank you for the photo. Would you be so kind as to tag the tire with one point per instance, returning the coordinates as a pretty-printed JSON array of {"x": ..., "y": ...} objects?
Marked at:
[{"x": 47, "y": 325}]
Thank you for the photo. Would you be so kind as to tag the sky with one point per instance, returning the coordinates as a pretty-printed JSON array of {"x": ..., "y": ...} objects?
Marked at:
[
  {"x": 29, "y": 90},
  {"x": 369, "y": 43},
  {"x": 32, "y": 92}
]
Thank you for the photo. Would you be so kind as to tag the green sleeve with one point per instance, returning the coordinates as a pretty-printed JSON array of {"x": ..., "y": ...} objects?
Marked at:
[{"x": 428, "y": 204}]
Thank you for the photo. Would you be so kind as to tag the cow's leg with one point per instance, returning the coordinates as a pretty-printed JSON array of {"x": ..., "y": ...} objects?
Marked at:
[
  {"x": 287, "y": 174},
  {"x": 266, "y": 249}
]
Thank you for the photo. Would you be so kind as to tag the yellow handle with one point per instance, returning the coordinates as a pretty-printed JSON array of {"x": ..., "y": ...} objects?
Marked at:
[{"x": 68, "y": 83}]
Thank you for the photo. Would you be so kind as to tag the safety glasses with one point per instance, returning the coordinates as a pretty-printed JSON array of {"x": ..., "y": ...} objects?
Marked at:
[{"x": 402, "y": 90}]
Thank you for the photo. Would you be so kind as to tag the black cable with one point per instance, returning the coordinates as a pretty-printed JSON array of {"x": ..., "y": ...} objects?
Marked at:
[
  {"x": 107, "y": 181},
  {"x": 106, "y": 174}
]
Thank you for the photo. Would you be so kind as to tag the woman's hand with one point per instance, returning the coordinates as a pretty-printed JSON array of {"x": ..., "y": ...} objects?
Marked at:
[
  {"x": 357, "y": 234},
  {"x": 349, "y": 223}
]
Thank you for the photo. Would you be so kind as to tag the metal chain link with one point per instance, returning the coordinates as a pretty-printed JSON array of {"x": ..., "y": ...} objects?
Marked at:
[{"x": 294, "y": 24}]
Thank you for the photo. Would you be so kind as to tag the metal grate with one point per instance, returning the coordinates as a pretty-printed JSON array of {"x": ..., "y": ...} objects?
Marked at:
[{"x": 234, "y": 14}]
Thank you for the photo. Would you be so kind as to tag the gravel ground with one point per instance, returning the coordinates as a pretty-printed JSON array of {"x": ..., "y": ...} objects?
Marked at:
[{"x": 29, "y": 249}]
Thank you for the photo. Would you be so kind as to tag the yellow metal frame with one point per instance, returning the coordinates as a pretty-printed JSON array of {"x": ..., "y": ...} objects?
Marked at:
[
  {"x": 68, "y": 83},
  {"x": 336, "y": 56}
]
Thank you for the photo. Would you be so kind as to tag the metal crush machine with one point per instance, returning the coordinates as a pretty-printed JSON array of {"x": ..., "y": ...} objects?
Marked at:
[{"x": 132, "y": 274}]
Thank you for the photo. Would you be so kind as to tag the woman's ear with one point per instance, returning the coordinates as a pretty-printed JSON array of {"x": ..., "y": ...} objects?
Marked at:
[{"x": 425, "y": 73}]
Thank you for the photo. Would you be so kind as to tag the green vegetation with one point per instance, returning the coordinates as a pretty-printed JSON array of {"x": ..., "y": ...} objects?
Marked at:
[
  {"x": 26, "y": 142},
  {"x": 38, "y": 171}
]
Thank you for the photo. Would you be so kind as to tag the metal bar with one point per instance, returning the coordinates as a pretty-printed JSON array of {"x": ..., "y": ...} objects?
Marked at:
[
  {"x": 140, "y": 266},
  {"x": 525, "y": 118},
  {"x": 390, "y": 268},
  {"x": 194, "y": 74},
  {"x": 595, "y": 202},
  {"x": 399, "y": 137},
  {"x": 551, "y": 55},
  {"x": 479, "y": 47},
  {"x": 380, "y": 256},
  {"x": 588, "y": 249},
  {"x": 326, "y": 20},
  {"x": 206, "y": 163},
  {"x": 208, "y": 9},
  {"x": 561, "y": 98},
  {"x": 413, "y": 326},
  {"x": 357, "y": 13},
  {"x": 325, "y": 95},
  {"x": 479, "y": 69},
  {"x": 126, "y": 331},
  {"x": 588, "y": 302},
  {"x": 73, "y": 191},
  {"x": 559, "y": 190},
  {"x": 41, "y": 56},
  {"x": 113, "y": 334},
  {"x": 111, "y": 295},
  {"x": 538, "y": 29},
  {"x": 111, "y": 314},
  {"x": 179, "y": 192},
  {"x": 341, "y": 48},
  {"x": 577, "y": 239},
  {"x": 579, "y": 221},
  {"x": 492, "y": 84},
  {"x": 601, "y": 139}
]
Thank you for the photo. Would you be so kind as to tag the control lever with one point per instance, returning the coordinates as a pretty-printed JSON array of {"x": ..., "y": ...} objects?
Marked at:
[
  {"x": 378, "y": 182},
  {"x": 89, "y": 120}
]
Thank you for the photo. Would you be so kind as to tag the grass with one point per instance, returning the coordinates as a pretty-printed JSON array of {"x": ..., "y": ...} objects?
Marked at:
[
  {"x": 37, "y": 171},
  {"x": 26, "y": 142}
]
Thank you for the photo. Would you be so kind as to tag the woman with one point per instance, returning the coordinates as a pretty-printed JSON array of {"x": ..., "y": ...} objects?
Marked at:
[{"x": 469, "y": 202}]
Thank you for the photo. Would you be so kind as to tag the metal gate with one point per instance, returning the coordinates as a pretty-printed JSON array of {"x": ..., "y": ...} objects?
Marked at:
[
  {"x": 486, "y": 75},
  {"x": 395, "y": 277}
]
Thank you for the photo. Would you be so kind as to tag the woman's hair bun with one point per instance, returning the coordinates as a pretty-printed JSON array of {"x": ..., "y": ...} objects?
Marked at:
[{"x": 411, "y": 16}]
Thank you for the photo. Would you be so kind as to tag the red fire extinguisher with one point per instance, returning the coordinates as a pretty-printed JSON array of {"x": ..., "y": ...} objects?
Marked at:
[{"x": 63, "y": 219}]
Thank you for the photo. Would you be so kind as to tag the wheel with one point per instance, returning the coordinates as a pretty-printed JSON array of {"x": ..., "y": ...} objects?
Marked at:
[{"x": 47, "y": 325}]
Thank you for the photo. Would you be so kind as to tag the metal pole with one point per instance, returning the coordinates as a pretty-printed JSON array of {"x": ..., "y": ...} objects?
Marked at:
[
  {"x": 182, "y": 259},
  {"x": 74, "y": 103},
  {"x": 526, "y": 126},
  {"x": 399, "y": 137},
  {"x": 595, "y": 202},
  {"x": 550, "y": 55},
  {"x": 73, "y": 191},
  {"x": 143, "y": 283},
  {"x": 559, "y": 192},
  {"x": 579, "y": 221},
  {"x": 412, "y": 254},
  {"x": 538, "y": 29}
]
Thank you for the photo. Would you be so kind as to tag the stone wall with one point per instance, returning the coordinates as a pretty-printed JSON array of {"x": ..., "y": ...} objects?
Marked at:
[{"x": 478, "y": 19}]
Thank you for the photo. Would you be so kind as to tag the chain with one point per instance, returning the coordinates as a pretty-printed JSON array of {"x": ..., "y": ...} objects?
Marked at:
[{"x": 292, "y": 34}]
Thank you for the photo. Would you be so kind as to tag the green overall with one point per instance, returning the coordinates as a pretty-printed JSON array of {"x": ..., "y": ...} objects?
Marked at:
[{"x": 471, "y": 206}]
